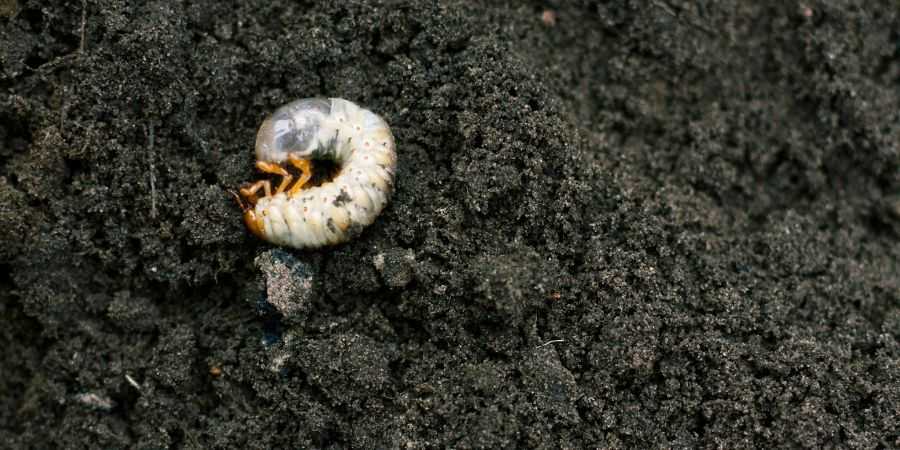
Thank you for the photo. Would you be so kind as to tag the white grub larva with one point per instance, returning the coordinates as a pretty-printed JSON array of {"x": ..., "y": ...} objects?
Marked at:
[{"x": 305, "y": 216}]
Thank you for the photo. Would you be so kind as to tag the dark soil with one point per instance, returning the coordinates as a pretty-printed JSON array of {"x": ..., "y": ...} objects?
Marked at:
[{"x": 617, "y": 224}]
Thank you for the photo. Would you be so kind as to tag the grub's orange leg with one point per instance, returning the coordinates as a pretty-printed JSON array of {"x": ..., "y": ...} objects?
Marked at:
[
  {"x": 277, "y": 170},
  {"x": 250, "y": 192},
  {"x": 238, "y": 199},
  {"x": 306, "y": 172}
]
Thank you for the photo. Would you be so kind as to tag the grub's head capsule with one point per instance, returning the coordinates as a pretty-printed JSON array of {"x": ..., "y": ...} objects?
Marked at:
[{"x": 292, "y": 129}]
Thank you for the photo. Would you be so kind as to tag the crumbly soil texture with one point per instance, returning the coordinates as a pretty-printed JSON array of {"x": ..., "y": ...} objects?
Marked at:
[{"x": 617, "y": 224}]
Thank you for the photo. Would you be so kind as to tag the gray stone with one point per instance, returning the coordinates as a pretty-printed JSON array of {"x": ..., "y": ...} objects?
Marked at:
[{"x": 290, "y": 282}]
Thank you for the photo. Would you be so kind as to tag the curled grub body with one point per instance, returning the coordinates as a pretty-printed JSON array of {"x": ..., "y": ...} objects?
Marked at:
[{"x": 355, "y": 140}]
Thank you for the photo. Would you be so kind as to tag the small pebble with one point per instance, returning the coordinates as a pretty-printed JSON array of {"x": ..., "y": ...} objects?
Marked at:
[{"x": 290, "y": 282}]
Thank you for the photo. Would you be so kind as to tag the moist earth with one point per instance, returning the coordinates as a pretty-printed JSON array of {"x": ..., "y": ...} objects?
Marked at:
[{"x": 616, "y": 224}]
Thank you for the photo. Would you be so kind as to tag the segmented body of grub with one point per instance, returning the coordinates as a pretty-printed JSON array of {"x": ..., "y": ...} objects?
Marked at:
[{"x": 359, "y": 145}]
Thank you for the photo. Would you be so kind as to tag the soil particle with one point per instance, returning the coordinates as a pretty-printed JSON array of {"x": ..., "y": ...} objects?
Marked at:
[{"x": 396, "y": 266}]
